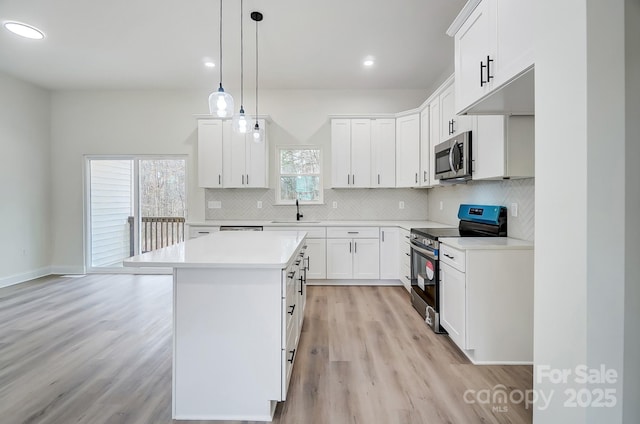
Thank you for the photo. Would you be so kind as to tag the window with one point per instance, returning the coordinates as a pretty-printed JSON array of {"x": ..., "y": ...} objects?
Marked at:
[{"x": 299, "y": 175}]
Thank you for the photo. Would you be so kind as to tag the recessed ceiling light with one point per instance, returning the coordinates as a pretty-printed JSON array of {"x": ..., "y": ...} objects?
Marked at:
[
  {"x": 368, "y": 62},
  {"x": 24, "y": 30}
]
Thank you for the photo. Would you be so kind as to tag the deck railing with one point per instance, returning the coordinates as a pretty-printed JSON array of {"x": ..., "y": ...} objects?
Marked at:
[{"x": 157, "y": 232}]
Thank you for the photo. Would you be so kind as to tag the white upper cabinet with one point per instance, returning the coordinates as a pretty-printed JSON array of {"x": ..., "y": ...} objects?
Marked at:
[
  {"x": 425, "y": 148},
  {"x": 210, "y": 153},
  {"x": 351, "y": 153},
  {"x": 383, "y": 152},
  {"x": 434, "y": 137},
  {"x": 450, "y": 123},
  {"x": 503, "y": 147},
  {"x": 244, "y": 161},
  {"x": 408, "y": 150},
  {"x": 494, "y": 46}
]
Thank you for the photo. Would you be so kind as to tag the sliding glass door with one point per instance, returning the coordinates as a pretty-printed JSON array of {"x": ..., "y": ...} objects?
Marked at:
[{"x": 135, "y": 205}]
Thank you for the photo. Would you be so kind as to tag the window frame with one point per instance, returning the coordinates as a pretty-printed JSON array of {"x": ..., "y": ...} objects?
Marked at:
[{"x": 279, "y": 149}]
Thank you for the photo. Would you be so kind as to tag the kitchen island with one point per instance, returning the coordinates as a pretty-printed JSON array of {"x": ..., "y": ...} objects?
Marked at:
[{"x": 238, "y": 306}]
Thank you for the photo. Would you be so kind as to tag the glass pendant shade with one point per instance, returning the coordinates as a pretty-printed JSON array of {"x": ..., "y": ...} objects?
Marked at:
[
  {"x": 257, "y": 134},
  {"x": 241, "y": 122},
  {"x": 220, "y": 103}
]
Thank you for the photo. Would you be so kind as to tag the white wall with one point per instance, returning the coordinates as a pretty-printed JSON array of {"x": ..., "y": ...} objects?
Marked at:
[
  {"x": 580, "y": 204},
  {"x": 162, "y": 122},
  {"x": 25, "y": 239},
  {"x": 631, "y": 406}
]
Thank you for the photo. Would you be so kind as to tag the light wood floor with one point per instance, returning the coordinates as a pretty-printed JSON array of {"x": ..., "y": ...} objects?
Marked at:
[{"x": 97, "y": 349}]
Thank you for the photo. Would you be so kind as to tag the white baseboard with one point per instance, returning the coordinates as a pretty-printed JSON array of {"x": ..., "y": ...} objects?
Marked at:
[
  {"x": 354, "y": 282},
  {"x": 24, "y": 276},
  {"x": 67, "y": 269}
]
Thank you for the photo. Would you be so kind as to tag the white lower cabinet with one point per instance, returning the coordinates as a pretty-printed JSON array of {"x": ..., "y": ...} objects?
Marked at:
[
  {"x": 317, "y": 259},
  {"x": 404, "y": 258},
  {"x": 453, "y": 303},
  {"x": 486, "y": 302},
  {"x": 199, "y": 231},
  {"x": 353, "y": 253},
  {"x": 389, "y": 259}
]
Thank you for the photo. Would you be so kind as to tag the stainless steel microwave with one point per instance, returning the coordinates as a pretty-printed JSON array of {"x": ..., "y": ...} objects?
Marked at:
[{"x": 453, "y": 158}]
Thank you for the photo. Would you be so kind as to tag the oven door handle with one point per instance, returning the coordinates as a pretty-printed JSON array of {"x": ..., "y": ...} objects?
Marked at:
[{"x": 425, "y": 252}]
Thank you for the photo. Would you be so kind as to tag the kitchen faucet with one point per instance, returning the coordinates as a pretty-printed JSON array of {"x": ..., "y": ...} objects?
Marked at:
[{"x": 298, "y": 214}]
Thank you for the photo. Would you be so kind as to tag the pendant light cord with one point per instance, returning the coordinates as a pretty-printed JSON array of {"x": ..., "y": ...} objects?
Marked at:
[
  {"x": 220, "y": 43},
  {"x": 241, "y": 56},
  {"x": 256, "y": 72}
]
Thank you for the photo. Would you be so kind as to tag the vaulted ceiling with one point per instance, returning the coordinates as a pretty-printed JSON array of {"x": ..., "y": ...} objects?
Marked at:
[{"x": 162, "y": 44}]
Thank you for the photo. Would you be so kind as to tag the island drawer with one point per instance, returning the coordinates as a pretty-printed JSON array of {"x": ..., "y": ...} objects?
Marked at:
[{"x": 353, "y": 232}]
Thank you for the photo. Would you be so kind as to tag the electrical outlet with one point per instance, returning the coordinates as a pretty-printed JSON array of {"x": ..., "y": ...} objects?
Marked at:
[
  {"x": 335, "y": 205},
  {"x": 514, "y": 209},
  {"x": 401, "y": 205},
  {"x": 214, "y": 204},
  {"x": 259, "y": 204},
  {"x": 441, "y": 205}
]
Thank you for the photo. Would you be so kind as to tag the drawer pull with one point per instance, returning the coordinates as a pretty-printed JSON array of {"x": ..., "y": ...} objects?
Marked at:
[
  {"x": 203, "y": 232},
  {"x": 448, "y": 256},
  {"x": 407, "y": 254},
  {"x": 407, "y": 277},
  {"x": 291, "y": 274},
  {"x": 353, "y": 232},
  {"x": 298, "y": 262},
  {"x": 293, "y": 354},
  {"x": 293, "y": 308}
]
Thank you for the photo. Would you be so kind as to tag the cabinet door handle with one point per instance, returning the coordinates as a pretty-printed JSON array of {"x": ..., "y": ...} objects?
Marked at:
[
  {"x": 293, "y": 307},
  {"x": 425, "y": 177},
  {"x": 308, "y": 258},
  {"x": 293, "y": 354},
  {"x": 242, "y": 179},
  {"x": 301, "y": 285},
  {"x": 452, "y": 124},
  {"x": 219, "y": 179},
  {"x": 378, "y": 179},
  {"x": 383, "y": 236},
  {"x": 348, "y": 179},
  {"x": 416, "y": 178},
  {"x": 489, "y": 76},
  {"x": 247, "y": 179},
  {"x": 482, "y": 81},
  {"x": 353, "y": 179},
  {"x": 349, "y": 247},
  {"x": 355, "y": 247}
]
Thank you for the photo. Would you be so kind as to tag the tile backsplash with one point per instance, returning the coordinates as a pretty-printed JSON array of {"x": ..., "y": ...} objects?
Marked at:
[
  {"x": 352, "y": 205},
  {"x": 502, "y": 193},
  {"x": 383, "y": 204}
]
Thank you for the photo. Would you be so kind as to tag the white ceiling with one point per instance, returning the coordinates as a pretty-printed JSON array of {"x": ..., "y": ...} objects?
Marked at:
[{"x": 161, "y": 44}]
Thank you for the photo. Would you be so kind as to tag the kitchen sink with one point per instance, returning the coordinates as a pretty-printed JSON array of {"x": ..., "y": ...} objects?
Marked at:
[{"x": 295, "y": 222}]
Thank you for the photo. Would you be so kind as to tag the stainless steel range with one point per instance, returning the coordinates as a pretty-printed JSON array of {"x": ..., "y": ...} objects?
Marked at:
[{"x": 475, "y": 221}]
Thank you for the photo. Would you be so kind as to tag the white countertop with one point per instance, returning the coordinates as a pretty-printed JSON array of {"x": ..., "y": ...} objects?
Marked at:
[
  {"x": 232, "y": 249},
  {"x": 407, "y": 225},
  {"x": 486, "y": 243}
]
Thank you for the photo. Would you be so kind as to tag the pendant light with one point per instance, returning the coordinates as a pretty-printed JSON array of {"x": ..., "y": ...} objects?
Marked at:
[
  {"x": 241, "y": 121},
  {"x": 220, "y": 102},
  {"x": 258, "y": 132}
]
